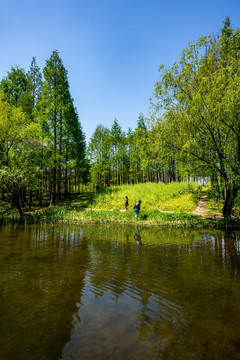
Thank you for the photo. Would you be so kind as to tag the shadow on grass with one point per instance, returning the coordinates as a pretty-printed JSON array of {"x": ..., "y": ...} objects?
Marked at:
[{"x": 85, "y": 200}]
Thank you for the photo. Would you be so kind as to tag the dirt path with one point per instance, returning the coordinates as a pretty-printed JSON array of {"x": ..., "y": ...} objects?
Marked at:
[{"x": 202, "y": 210}]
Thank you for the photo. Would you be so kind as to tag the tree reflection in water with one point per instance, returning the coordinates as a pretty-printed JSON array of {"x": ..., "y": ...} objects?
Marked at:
[{"x": 64, "y": 289}]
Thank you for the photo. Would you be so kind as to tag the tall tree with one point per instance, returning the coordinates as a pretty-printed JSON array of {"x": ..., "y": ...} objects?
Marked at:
[
  {"x": 116, "y": 137},
  {"x": 60, "y": 122},
  {"x": 54, "y": 98},
  {"x": 34, "y": 77},
  {"x": 200, "y": 95},
  {"x": 74, "y": 149},
  {"x": 99, "y": 154}
]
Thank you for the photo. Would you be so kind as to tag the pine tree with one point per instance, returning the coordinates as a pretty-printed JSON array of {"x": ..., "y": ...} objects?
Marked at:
[{"x": 60, "y": 122}]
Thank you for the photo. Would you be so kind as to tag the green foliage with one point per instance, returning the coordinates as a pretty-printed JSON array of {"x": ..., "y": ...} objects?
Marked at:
[
  {"x": 99, "y": 155},
  {"x": 20, "y": 140},
  {"x": 214, "y": 207},
  {"x": 60, "y": 123},
  {"x": 14, "y": 85},
  {"x": 199, "y": 123},
  {"x": 41, "y": 140}
]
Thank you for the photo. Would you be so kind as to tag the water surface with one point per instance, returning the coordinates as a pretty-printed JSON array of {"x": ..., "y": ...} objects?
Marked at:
[{"x": 97, "y": 292}]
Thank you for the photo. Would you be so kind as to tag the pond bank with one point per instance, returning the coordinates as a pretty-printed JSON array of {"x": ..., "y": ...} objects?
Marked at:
[{"x": 99, "y": 216}]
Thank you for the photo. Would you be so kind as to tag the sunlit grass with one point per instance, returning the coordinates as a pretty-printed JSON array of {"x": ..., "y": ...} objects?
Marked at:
[
  {"x": 186, "y": 202},
  {"x": 214, "y": 207},
  {"x": 172, "y": 197}
]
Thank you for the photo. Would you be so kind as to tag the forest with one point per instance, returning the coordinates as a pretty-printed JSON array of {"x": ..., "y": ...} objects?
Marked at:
[{"x": 191, "y": 132}]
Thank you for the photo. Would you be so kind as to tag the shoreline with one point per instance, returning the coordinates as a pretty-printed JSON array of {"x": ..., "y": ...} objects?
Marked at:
[{"x": 118, "y": 216}]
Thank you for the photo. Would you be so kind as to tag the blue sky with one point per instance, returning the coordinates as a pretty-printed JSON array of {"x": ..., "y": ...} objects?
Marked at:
[{"x": 111, "y": 49}]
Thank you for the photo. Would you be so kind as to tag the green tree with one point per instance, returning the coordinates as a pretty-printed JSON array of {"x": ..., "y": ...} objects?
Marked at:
[
  {"x": 116, "y": 138},
  {"x": 34, "y": 77},
  {"x": 99, "y": 154},
  {"x": 20, "y": 148},
  {"x": 54, "y": 102},
  {"x": 74, "y": 148},
  {"x": 14, "y": 85},
  {"x": 200, "y": 95}
]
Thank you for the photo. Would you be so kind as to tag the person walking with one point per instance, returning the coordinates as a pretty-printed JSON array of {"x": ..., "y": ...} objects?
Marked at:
[
  {"x": 126, "y": 203},
  {"x": 137, "y": 209}
]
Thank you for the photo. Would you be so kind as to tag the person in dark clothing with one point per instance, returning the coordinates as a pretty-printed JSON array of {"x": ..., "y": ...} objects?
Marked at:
[
  {"x": 126, "y": 203},
  {"x": 137, "y": 208},
  {"x": 97, "y": 187},
  {"x": 137, "y": 237}
]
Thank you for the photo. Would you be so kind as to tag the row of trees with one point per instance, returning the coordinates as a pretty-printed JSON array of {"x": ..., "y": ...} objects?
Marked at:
[
  {"x": 194, "y": 125},
  {"x": 118, "y": 158},
  {"x": 42, "y": 146}
]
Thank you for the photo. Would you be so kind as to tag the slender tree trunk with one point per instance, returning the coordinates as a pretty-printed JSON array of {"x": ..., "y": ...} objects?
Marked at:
[
  {"x": 15, "y": 199},
  {"x": 231, "y": 194},
  {"x": 53, "y": 189},
  {"x": 59, "y": 177},
  {"x": 39, "y": 196},
  {"x": 21, "y": 198},
  {"x": 66, "y": 183},
  {"x": 59, "y": 185},
  {"x": 30, "y": 200}
]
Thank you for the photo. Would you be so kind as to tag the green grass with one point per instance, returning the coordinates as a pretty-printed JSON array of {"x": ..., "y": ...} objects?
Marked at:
[
  {"x": 146, "y": 218},
  {"x": 213, "y": 207},
  {"x": 171, "y": 197}
]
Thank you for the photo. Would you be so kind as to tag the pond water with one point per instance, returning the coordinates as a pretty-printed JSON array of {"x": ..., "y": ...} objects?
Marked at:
[{"x": 98, "y": 292}]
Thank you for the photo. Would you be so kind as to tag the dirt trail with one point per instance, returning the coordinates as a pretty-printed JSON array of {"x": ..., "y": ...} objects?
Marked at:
[{"x": 202, "y": 210}]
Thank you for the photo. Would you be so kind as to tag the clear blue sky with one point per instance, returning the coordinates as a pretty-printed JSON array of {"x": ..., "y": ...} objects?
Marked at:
[{"x": 111, "y": 48}]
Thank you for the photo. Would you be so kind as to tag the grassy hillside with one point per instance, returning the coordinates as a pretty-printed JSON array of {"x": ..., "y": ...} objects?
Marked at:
[{"x": 168, "y": 197}]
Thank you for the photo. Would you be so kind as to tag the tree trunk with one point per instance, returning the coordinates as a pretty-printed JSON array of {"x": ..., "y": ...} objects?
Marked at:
[
  {"x": 39, "y": 196},
  {"x": 30, "y": 200},
  {"x": 230, "y": 195},
  {"x": 15, "y": 199},
  {"x": 53, "y": 189}
]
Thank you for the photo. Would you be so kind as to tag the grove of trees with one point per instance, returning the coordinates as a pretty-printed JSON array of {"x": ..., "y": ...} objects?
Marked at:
[
  {"x": 42, "y": 145},
  {"x": 193, "y": 130}
]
